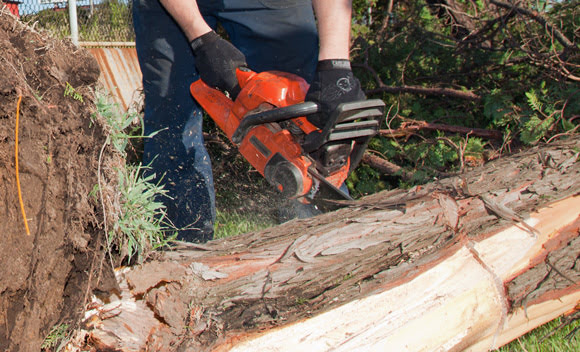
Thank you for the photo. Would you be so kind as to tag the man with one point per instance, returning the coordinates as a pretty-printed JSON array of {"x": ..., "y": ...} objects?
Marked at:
[{"x": 176, "y": 45}]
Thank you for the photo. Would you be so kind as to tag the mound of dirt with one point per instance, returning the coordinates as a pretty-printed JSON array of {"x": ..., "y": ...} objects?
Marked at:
[{"x": 47, "y": 274}]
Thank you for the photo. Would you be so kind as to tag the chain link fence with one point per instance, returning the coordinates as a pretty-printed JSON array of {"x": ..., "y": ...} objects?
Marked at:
[{"x": 98, "y": 20}]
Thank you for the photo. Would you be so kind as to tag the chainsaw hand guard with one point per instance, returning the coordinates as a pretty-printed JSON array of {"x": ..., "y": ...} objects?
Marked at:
[{"x": 355, "y": 122}]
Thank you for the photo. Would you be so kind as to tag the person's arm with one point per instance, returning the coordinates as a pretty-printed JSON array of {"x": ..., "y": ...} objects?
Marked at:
[
  {"x": 334, "y": 18},
  {"x": 216, "y": 59},
  {"x": 333, "y": 82},
  {"x": 187, "y": 15}
]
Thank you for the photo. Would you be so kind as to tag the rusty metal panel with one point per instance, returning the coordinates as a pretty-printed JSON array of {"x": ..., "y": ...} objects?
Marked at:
[{"x": 120, "y": 75}]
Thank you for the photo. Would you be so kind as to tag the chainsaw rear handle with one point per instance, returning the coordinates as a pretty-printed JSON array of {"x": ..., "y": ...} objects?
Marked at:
[{"x": 274, "y": 115}]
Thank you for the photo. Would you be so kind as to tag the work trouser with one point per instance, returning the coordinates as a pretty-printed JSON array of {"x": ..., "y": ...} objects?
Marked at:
[{"x": 273, "y": 34}]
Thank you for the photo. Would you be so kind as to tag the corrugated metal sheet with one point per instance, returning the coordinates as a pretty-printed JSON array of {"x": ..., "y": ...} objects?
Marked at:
[{"x": 120, "y": 75}]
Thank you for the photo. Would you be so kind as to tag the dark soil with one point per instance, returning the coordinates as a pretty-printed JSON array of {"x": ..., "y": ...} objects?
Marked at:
[{"x": 46, "y": 276}]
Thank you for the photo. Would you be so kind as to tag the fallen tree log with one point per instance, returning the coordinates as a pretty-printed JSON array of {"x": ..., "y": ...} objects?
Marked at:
[{"x": 465, "y": 263}]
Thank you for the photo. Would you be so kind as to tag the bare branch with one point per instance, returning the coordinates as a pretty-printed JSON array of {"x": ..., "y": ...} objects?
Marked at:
[
  {"x": 433, "y": 91},
  {"x": 412, "y": 126},
  {"x": 385, "y": 166},
  {"x": 541, "y": 20}
]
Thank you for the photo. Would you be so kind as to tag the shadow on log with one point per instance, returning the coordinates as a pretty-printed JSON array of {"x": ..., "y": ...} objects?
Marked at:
[{"x": 462, "y": 263}]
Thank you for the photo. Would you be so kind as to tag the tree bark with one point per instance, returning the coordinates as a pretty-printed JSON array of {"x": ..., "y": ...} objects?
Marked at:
[{"x": 466, "y": 262}]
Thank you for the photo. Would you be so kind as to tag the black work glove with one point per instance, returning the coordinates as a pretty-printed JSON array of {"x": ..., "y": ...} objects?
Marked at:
[
  {"x": 333, "y": 84},
  {"x": 216, "y": 60}
]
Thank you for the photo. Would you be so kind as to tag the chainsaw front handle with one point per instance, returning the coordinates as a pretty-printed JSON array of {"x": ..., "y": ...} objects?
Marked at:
[{"x": 274, "y": 115}]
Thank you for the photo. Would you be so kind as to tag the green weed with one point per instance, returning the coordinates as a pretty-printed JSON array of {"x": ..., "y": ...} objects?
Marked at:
[
  {"x": 122, "y": 126},
  {"x": 142, "y": 226},
  {"x": 57, "y": 334},
  {"x": 69, "y": 91}
]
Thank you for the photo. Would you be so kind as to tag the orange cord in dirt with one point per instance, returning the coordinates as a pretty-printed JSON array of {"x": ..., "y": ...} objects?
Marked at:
[{"x": 16, "y": 165}]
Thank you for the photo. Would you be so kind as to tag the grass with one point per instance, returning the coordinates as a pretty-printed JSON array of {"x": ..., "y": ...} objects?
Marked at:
[
  {"x": 548, "y": 337},
  {"x": 230, "y": 223},
  {"x": 142, "y": 226}
]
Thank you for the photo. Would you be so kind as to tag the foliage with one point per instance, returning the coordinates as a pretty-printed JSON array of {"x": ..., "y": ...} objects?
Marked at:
[
  {"x": 544, "y": 111},
  {"x": 110, "y": 20},
  {"x": 524, "y": 75},
  {"x": 69, "y": 91},
  {"x": 121, "y": 126}
]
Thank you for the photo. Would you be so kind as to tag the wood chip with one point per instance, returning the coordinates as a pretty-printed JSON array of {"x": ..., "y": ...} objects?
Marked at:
[{"x": 506, "y": 213}]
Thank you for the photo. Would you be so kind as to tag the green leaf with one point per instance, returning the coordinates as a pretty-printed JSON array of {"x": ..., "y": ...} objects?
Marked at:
[{"x": 533, "y": 100}]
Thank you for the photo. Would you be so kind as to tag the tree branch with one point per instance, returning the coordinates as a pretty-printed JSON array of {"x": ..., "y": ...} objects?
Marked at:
[
  {"x": 383, "y": 88},
  {"x": 411, "y": 126},
  {"x": 385, "y": 166},
  {"x": 426, "y": 91}
]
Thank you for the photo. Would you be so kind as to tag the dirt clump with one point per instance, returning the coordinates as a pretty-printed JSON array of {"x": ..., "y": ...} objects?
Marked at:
[{"x": 47, "y": 274}]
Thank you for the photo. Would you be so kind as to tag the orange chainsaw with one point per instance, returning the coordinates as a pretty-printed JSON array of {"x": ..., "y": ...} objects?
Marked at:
[{"x": 267, "y": 122}]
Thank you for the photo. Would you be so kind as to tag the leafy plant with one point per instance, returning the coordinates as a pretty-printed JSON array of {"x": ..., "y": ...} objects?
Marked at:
[
  {"x": 122, "y": 127},
  {"x": 537, "y": 113}
]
